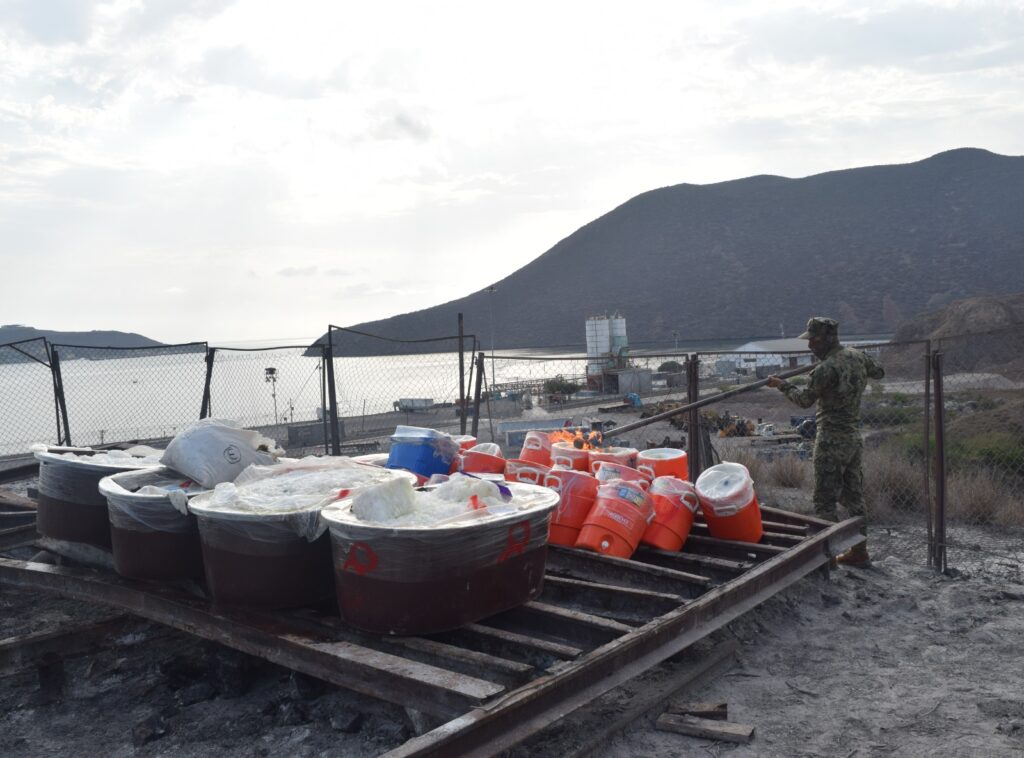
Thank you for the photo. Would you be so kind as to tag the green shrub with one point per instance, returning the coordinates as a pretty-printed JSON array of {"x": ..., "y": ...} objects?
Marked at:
[
  {"x": 559, "y": 385},
  {"x": 671, "y": 367},
  {"x": 889, "y": 415}
]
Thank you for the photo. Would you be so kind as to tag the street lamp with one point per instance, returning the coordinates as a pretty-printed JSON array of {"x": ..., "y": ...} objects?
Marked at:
[{"x": 270, "y": 375}]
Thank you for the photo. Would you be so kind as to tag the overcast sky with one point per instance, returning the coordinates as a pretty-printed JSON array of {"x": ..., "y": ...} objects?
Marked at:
[{"x": 240, "y": 170}]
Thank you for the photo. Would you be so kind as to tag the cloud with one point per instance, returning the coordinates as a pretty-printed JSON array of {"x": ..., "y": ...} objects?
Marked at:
[
  {"x": 912, "y": 36},
  {"x": 293, "y": 271},
  {"x": 238, "y": 67},
  {"x": 53, "y": 22}
]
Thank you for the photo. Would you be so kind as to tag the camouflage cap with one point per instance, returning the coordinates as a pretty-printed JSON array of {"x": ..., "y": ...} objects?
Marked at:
[{"x": 820, "y": 326}]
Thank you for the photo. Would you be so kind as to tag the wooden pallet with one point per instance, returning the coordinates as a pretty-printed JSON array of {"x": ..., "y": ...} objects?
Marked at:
[{"x": 599, "y": 622}]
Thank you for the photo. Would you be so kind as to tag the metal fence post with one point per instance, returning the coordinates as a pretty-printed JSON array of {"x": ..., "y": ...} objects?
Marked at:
[
  {"x": 926, "y": 451},
  {"x": 323, "y": 398},
  {"x": 332, "y": 395},
  {"x": 693, "y": 436},
  {"x": 61, "y": 403},
  {"x": 204, "y": 410},
  {"x": 462, "y": 379},
  {"x": 476, "y": 392},
  {"x": 939, "y": 543}
]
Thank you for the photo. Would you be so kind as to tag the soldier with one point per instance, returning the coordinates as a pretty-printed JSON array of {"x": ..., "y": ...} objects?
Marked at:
[{"x": 836, "y": 385}]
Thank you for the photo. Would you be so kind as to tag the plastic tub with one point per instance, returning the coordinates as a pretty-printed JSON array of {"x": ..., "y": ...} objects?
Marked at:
[
  {"x": 566, "y": 454},
  {"x": 675, "y": 502},
  {"x": 406, "y": 580},
  {"x": 152, "y": 533},
  {"x": 663, "y": 461},
  {"x": 265, "y": 549},
  {"x": 729, "y": 503},
  {"x": 423, "y": 451},
  {"x": 619, "y": 518},
  {"x": 606, "y": 471},
  {"x": 526, "y": 472},
  {"x": 624, "y": 455},
  {"x": 536, "y": 448},
  {"x": 576, "y": 491},
  {"x": 70, "y": 504}
]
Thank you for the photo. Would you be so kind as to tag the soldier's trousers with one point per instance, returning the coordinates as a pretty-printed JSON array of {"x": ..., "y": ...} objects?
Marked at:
[{"x": 838, "y": 476}]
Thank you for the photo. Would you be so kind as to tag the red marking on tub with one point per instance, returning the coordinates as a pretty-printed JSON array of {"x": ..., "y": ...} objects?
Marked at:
[
  {"x": 475, "y": 504},
  {"x": 361, "y": 559},
  {"x": 518, "y": 539},
  {"x": 343, "y": 493}
]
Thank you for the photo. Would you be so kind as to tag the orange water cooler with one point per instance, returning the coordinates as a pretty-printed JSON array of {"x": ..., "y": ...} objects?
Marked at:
[
  {"x": 484, "y": 458},
  {"x": 525, "y": 471},
  {"x": 619, "y": 518},
  {"x": 568, "y": 455},
  {"x": 577, "y": 491},
  {"x": 624, "y": 455},
  {"x": 663, "y": 461},
  {"x": 536, "y": 448},
  {"x": 606, "y": 471},
  {"x": 729, "y": 503},
  {"x": 675, "y": 502}
]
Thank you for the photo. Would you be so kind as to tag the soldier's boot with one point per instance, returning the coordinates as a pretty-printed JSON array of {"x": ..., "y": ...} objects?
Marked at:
[{"x": 856, "y": 557}]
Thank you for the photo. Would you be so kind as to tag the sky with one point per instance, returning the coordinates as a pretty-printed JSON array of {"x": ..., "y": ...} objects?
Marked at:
[{"x": 245, "y": 170}]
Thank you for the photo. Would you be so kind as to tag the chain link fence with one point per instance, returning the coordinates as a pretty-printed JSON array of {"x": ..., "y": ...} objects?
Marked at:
[
  {"x": 28, "y": 409},
  {"x": 279, "y": 391},
  {"x": 129, "y": 394},
  {"x": 982, "y": 389}
]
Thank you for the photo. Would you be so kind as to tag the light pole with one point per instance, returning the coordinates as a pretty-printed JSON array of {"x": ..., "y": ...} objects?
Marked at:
[
  {"x": 675, "y": 336},
  {"x": 270, "y": 375},
  {"x": 490, "y": 304}
]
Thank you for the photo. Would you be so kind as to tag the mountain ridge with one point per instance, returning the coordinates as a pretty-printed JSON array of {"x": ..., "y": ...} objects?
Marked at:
[{"x": 737, "y": 258}]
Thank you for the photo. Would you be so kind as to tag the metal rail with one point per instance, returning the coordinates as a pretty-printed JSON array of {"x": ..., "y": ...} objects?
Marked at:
[{"x": 599, "y": 622}]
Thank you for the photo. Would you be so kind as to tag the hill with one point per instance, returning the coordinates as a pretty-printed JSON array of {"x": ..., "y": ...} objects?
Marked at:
[
  {"x": 739, "y": 258},
  {"x": 17, "y": 333}
]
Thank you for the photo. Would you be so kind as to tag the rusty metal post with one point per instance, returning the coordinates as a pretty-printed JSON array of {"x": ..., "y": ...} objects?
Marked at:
[
  {"x": 204, "y": 409},
  {"x": 332, "y": 394},
  {"x": 476, "y": 392},
  {"x": 462, "y": 379},
  {"x": 926, "y": 451},
  {"x": 58, "y": 393},
  {"x": 693, "y": 436},
  {"x": 939, "y": 545}
]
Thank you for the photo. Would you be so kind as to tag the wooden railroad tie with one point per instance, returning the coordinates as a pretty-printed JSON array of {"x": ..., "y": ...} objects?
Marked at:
[{"x": 707, "y": 720}]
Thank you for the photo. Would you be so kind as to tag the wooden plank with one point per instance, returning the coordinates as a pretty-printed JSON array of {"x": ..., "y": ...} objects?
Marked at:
[
  {"x": 694, "y": 726},
  {"x": 696, "y": 543},
  {"x": 605, "y": 569},
  {"x": 623, "y": 604},
  {"x": 801, "y": 530},
  {"x": 720, "y": 569},
  {"x": 526, "y": 648},
  {"x": 714, "y": 711},
  {"x": 482, "y": 665},
  {"x": 25, "y": 650},
  {"x": 575, "y": 627},
  {"x": 767, "y": 538},
  {"x": 18, "y": 536},
  {"x": 389, "y": 677},
  {"x": 79, "y": 552},
  {"x": 788, "y": 517},
  {"x": 13, "y": 501}
]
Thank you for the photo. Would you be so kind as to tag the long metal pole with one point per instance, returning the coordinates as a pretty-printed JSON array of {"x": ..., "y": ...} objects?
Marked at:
[
  {"x": 927, "y": 452},
  {"x": 462, "y": 379},
  {"x": 694, "y": 439},
  {"x": 692, "y": 406},
  {"x": 940, "y": 466},
  {"x": 476, "y": 392},
  {"x": 332, "y": 394},
  {"x": 204, "y": 409},
  {"x": 58, "y": 380}
]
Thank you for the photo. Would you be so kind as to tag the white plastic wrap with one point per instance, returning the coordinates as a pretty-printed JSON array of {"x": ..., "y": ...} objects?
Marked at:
[
  {"x": 725, "y": 488},
  {"x": 677, "y": 490},
  {"x": 73, "y": 476},
  {"x": 283, "y": 501},
  {"x": 212, "y": 451},
  {"x": 487, "y": 448},
  {"x": 153, "y": 500}
]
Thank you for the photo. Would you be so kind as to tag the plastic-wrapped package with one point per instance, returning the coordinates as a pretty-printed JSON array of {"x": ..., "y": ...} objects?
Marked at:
[
  {"x": 212, "y": 451},
  {"x": 729, "y": 503},
  {"x": 410, "y": 577},
  {"x": 262, "y": 539},
  {"x": 152, "y": 534},
  {"x": 70, "y": 504}
]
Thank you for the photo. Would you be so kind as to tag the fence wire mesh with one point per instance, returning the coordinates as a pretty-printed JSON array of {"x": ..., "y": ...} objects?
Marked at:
[
  {"x": 130, "y": 394},
  {"x": 277, "y": 391},
  {"x": 983, "y": 388},
  {"x": 28, "y": 411}
]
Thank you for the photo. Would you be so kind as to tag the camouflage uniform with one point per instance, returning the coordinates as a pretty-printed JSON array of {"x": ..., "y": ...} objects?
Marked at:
[{"x": 836, "y": 384}]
